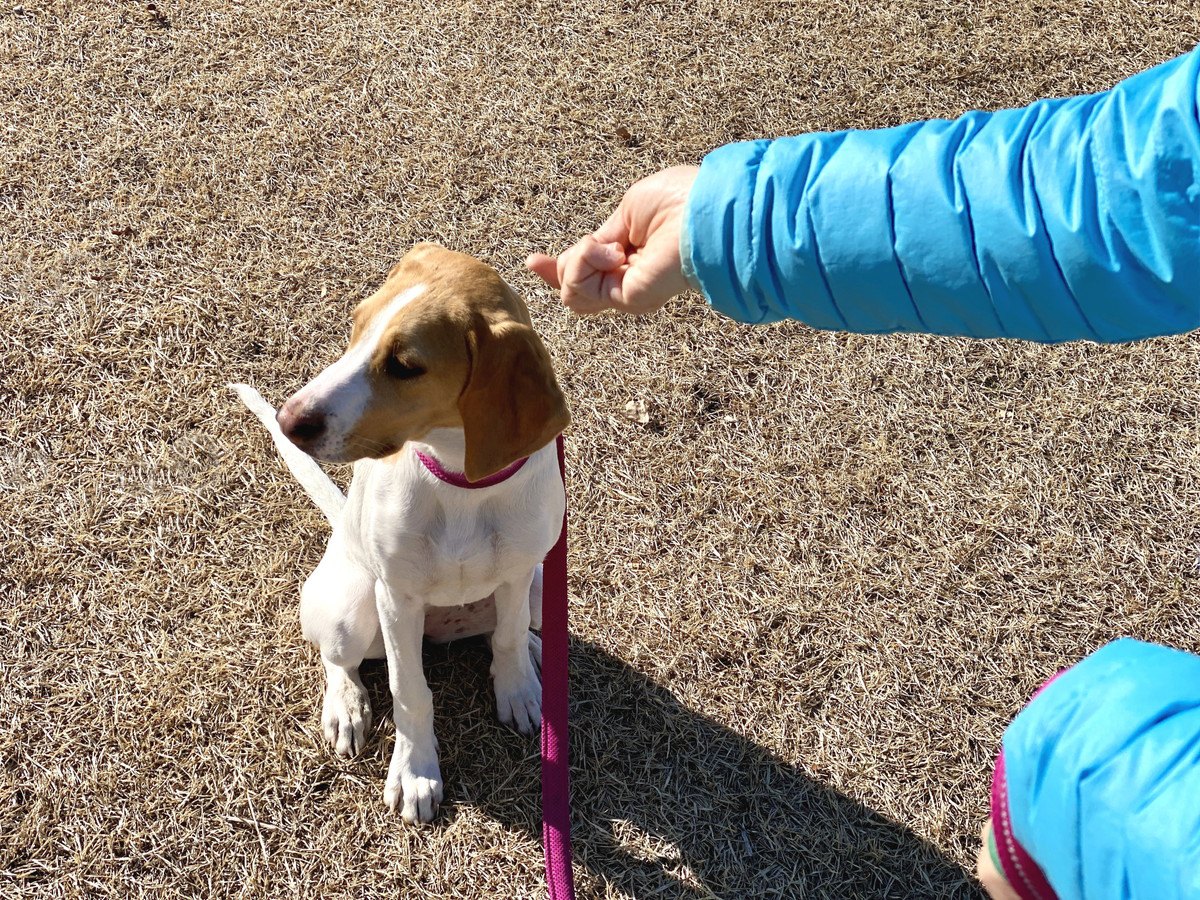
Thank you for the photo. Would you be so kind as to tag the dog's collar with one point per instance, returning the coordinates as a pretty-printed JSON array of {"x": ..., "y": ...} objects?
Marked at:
[{"x": 458, "y": 479}]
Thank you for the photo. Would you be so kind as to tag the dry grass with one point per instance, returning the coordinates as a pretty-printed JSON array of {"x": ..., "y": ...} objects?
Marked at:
[{"x": 807, "y": 595}]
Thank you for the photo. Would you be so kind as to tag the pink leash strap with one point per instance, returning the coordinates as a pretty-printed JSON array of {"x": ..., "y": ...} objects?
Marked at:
[{"x": 556, "y": 788}]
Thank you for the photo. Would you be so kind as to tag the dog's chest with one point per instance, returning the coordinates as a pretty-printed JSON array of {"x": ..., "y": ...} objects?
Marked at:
[
  {"x": 457, "y": 560},
  {"x": 445, "y": 545}
]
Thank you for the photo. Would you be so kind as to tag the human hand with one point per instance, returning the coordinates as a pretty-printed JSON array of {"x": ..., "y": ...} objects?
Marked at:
[
  {"x": 992, "y": 879},
  {"x": 631, "y": 263}
]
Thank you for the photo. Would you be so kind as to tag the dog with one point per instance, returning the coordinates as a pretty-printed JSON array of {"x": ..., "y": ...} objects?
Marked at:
[{"x": 447, "y": 404}]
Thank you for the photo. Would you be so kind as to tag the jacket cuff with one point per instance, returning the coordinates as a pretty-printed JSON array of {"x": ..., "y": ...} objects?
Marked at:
[
  {"x": 685, "y": 251},
  {"x": 716, "y": 238}
]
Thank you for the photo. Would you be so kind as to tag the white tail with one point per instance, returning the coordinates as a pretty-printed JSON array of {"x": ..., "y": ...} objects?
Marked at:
[{"x": 303, "y": 467}]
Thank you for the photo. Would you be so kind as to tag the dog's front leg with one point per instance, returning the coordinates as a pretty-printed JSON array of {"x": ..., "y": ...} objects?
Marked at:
[
  {"x": 414, "y": 781},
  {"x": 516, "y": 681}
]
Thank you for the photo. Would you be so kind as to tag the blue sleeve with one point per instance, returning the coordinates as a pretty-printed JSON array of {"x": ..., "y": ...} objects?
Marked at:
[
  {"x": 1069, "y": 219},
  {"x": 1103, "y": 776}
]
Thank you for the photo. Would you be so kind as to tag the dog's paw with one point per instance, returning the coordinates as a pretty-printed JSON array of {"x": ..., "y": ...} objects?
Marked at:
[
  {"x": 414, "y": 791},
  {"x": 519, "y": 699},
  {"x": 345, "y": 715}
]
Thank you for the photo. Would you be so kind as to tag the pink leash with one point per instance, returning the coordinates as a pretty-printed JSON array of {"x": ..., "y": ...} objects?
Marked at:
[{"x": 556, "y": 801}]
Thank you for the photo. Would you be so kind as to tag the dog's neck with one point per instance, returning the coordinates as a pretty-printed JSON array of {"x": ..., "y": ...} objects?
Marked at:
[
  {"x": 447, "y": 445},
  {"x": 436, "y": 457}
]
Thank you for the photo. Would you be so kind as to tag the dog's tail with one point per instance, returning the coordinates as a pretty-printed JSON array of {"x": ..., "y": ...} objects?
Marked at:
[{"x": 311, "y": 476}]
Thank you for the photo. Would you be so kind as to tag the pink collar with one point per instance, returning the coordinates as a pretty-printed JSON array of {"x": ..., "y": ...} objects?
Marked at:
[{"x": 458, "y": 479}]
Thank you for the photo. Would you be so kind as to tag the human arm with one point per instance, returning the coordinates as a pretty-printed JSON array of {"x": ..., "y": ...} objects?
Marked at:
[{"x": 1069, "y": 219}]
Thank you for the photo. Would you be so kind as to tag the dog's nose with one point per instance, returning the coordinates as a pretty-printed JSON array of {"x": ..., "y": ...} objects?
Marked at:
[{"x": 303, "y": 428}]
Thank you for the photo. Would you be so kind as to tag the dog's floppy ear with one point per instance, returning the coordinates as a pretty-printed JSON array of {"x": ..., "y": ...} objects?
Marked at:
[{"x": 512, "y": 404}]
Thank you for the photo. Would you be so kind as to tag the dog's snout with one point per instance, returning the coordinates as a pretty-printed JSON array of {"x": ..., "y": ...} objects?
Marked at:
[{"x": 301, "y": 428}]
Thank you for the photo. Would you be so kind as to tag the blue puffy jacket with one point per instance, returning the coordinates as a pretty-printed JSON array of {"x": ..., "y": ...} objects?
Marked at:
[
  {"x": 1069, "y": 219},
  {"x": 1103, "y": 776}
]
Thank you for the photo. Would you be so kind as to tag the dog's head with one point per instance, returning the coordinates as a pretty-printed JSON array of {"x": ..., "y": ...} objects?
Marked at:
[{"x": 445, "y": 343}]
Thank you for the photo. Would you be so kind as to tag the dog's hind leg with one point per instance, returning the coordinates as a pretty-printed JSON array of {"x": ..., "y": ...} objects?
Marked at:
[
  {"x": 535, "y": 618},
  {"x": 337, "y": 613}
]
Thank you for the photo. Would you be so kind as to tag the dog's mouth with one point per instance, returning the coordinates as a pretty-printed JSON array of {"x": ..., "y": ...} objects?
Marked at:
[
  {"x": 353, "y": 450},
  {"x": 382, "y": 451}
]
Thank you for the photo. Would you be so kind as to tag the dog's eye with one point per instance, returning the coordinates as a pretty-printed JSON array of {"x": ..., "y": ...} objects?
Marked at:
[{"x": 401, "y": 370}]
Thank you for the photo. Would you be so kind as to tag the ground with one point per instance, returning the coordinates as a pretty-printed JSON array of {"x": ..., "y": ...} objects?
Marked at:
[{"x": 808, "y": 592}]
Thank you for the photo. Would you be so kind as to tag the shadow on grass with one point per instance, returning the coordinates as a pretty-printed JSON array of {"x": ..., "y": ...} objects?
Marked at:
[{"x": 666, "y": 802}]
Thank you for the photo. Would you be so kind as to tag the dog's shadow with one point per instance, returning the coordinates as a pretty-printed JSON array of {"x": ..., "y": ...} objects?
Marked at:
[{"x": 666, "y": 802}]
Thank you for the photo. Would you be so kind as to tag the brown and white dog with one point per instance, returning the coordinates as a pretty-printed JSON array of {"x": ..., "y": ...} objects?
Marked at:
[{"x": 443, "y": 362}]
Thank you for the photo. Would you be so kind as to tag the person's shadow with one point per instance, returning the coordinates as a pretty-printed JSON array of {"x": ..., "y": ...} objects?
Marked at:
[{"x": 666, "y": 802}]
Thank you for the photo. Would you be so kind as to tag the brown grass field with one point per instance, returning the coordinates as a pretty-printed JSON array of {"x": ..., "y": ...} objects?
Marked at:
[{"x": 807, "y": 595}]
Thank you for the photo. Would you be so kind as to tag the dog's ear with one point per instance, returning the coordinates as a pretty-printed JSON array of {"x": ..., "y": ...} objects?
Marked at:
[{"x": 512, "y": 404}]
